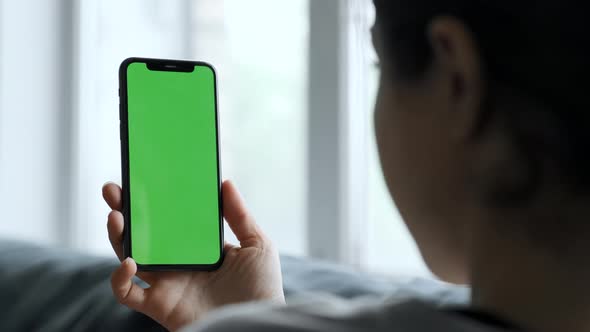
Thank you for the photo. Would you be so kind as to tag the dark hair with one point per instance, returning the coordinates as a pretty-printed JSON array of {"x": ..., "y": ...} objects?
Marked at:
[{"x": 531, "y": 50}]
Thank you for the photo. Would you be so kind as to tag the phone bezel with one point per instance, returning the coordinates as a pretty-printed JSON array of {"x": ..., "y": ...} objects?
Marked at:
[{"x": 166, "y": 65}]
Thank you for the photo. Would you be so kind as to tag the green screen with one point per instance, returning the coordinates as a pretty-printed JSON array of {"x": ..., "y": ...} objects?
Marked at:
[{"x": 173, "y": 166}]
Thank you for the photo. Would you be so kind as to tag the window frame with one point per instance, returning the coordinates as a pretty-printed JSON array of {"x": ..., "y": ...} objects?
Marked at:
[{"x": 338, "y": 180}]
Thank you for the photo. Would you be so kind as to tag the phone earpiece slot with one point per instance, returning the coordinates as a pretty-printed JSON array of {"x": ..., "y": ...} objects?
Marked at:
[{"x": 177, "y": 67}]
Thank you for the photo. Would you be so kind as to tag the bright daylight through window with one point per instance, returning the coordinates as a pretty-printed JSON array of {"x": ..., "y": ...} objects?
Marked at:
[{"x": 296, "y": 83}]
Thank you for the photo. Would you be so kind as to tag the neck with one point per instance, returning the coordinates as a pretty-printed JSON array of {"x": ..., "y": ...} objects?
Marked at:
[{"x": 534, "y": 289}]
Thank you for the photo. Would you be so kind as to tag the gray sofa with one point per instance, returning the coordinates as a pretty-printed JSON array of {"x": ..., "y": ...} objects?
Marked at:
[{"x": 48, "y": 289}]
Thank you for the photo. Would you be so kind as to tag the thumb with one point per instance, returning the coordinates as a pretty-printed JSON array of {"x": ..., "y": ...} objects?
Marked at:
[{"x": 238, "y": 218}]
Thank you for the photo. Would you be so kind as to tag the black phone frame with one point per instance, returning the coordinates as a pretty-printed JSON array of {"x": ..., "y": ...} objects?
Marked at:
[{"x": 162, "y": 65}]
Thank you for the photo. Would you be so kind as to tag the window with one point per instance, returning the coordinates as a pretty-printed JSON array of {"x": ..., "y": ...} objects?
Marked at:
[
  {"x": 260, "y": 50},
  {"x": 297, "y": 86}
]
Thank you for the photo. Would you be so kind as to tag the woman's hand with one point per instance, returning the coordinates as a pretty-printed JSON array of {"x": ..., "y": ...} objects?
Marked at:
[{"x": 249, "y": 272}]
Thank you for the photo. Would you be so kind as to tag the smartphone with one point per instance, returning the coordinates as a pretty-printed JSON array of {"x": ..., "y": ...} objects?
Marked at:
[{"x": 170, "y": 164}]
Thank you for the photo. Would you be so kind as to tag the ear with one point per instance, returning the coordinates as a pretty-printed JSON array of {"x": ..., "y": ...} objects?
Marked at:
[{"x": 459, "y": 64}]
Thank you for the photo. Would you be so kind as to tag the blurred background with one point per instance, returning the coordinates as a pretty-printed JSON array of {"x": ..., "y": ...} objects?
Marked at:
[{"x": 297, "y": 82}]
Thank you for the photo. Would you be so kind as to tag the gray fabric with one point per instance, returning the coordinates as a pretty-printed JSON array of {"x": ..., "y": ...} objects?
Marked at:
[
  {"x": 309, "y": 276},
  {"x": 336, "y": 315},
  {"x": 58, "y": 290},
  {"x": 45, "y": 289}
]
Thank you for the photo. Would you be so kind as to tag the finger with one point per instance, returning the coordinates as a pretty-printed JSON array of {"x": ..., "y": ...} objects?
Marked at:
[
  {"x": 229, "y": 250},
  {"x": 149, "y": 277},
  {"x": 111, "y": 193},
  {"x": 227, "y": 246},
  {"x": 238, "y": 218},
  {"x": 115, "y": 228},
  {"x": 124, "y": 289}
]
